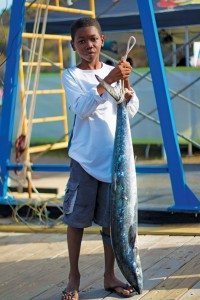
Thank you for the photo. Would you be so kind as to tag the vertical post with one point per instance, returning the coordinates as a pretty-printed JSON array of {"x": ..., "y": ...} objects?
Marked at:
[
  {"x": 72, "y": 56},
  {"x": 92, "y": 7},
  {"x": 187, "y": 47},
  {"x": 10, "y": 90},
  {"x": 183, "y": 196}
]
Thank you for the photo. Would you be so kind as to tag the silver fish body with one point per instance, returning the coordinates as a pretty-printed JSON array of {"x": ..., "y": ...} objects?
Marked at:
[
  {"x": 124, "y": 220},
  {"x": 124, "y": 209}
]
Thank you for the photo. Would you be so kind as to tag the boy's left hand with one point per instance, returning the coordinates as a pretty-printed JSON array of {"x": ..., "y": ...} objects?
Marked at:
[{"x": 128, "y": 94}]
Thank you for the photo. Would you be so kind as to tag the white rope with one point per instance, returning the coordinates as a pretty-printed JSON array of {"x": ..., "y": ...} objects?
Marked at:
[
  {"x": 130, "y": 44},
  {"x": 26, "y": 158},
  {"x": 30, "y": 68},
  {"x": 36, "y": 81}
]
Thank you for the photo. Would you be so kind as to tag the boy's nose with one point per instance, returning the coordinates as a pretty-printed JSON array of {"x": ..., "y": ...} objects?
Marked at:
[{"x": 89, "y": 44}]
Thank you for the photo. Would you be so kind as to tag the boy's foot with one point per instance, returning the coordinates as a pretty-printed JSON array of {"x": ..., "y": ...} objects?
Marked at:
[
  {"x": 70, "y": 295},
  {"x": 121, "y": 289},
  {"x": 71, "y": 291}
]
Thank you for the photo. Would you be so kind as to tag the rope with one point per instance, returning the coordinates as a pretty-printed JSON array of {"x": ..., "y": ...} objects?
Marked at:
[
  {"x": 30, "y": 68},
  {"x": 23, "y": 141},
  {"x": 130, "y": 44}
]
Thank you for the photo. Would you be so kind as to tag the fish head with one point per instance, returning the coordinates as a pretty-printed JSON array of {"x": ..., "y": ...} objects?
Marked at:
[{"x": 115, "y": 93}]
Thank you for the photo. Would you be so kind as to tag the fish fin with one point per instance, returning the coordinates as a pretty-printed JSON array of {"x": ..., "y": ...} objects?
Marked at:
[{"x": 131, "y": 237}]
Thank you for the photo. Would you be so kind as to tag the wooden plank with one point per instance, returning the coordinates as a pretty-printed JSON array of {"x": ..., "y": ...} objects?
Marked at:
[
  {"x": 161, "y": 249},
  {"x": 193, "y": 293},
  {"x": 37, "y": 271},
  {"x": 56, "y": 272},
  {"x": 170, "y": 264},
  {"x": 88, "y": 284},
  {"x": 42, "y": 272},
  {"x": 173, "y": 274}
]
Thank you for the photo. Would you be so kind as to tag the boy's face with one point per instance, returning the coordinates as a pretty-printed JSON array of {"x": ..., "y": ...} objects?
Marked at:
[{"x": 88, "y": 42}]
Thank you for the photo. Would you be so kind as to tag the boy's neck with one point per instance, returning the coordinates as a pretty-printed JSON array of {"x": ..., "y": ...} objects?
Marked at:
[{"x": 90, "y": 66}]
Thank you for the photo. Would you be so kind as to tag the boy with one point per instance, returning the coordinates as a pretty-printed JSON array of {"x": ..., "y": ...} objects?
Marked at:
[{"x": 87, "y": 194}]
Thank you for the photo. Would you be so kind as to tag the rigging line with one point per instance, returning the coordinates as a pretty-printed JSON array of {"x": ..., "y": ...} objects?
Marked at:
[
  {"x": 45, "y": 58},
  {"x": 36, "y": 81},
  {"x": 14, "y": 38},
  {"x": 3, "y": 27},
  {"x": 51, "y": 146},
  {"x": 168, "y": 57},
  {"x": 177, "y": 94},
  {"x": 108, "y": 8},
  {"x": 29, "y": 69},
  {"x": 153, "y": 119},
  {"x": 178, "y": 133},
  {"x": 29, "y": 6}
]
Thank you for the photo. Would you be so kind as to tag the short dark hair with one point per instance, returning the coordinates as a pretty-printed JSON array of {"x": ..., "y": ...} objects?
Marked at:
[{"x": 84, "y": 22}]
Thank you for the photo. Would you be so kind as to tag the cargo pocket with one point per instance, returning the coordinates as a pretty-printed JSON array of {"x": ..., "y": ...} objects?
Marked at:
[{"x": 70, "y": 197}]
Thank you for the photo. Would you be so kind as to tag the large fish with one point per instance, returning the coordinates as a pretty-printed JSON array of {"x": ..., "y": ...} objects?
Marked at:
[{"x": 124, "y": 208}]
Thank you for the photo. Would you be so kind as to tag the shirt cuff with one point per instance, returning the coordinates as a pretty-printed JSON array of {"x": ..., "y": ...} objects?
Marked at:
[{"x": 133, "y": 105}]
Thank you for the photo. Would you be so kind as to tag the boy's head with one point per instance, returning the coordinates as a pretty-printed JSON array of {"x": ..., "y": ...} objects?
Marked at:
[
  {"x": 87, "y": 39},
  {"x": 84, "y": 22}
]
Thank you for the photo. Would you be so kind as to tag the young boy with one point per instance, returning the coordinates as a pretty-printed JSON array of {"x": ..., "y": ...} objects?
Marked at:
[{"x": 87, "y": 193}]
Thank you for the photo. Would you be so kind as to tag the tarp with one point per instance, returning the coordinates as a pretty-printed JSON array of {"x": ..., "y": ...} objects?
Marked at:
[{"x": 123, "y": 14}]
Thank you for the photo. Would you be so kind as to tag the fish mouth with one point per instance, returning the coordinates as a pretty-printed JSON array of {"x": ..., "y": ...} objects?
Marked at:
[{"x": 118, "y": 96}]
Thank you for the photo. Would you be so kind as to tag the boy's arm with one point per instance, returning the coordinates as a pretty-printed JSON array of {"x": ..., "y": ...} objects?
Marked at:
[{"x": 82, "y": 103}]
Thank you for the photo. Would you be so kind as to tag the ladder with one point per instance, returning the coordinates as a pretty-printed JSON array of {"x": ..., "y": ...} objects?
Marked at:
[{"x": 23, "y": 92}]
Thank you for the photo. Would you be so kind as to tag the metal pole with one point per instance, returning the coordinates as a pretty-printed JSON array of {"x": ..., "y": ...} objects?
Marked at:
[
  {"x": 10, "y": 91},
  {"x": 184, "y": 198},
  {"x": 187, "y": 47}
]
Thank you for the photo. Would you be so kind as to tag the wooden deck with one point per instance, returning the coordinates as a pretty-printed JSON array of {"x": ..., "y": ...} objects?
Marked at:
[{"x": 35, "y": 266}]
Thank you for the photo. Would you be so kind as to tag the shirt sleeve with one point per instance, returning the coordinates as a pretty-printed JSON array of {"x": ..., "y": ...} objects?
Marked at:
[
  {"x": 82, "y": 103},
  {"x": 133, "y": 105}
]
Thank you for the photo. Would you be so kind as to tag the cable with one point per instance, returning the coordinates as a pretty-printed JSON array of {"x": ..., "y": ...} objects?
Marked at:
[
  {"x": 114, "y": 2},
  {"x": 3, "y": 12},
  {"x": 14, "y": 38}
]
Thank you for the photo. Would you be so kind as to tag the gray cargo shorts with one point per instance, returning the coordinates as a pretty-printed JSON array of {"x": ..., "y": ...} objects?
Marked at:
[{"x": 86, "y": 199}]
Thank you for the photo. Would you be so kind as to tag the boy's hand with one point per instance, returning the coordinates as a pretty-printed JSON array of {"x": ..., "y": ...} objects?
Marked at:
[
  {"x": 121, "y": 71},
  {"x": 128, "y": 94}
]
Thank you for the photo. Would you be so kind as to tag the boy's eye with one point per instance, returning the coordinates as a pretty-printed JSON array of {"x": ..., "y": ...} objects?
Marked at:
[
  {"x": 94, "y": 39},
  {"x": 81, "y": 42}
]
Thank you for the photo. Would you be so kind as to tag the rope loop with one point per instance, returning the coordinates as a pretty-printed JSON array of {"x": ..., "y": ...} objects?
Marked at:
[{"x": 130, "y": 44}]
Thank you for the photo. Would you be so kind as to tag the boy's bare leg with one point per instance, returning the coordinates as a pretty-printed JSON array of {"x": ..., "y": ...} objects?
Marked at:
[
  {"x": 74, "y": 238},
  {"x": 110, "y": 281}
]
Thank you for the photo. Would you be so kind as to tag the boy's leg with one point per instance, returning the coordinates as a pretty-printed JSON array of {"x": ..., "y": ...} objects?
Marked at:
[
  {"x": 74, "y": 238},
  {"x": 110, "y": 281}
]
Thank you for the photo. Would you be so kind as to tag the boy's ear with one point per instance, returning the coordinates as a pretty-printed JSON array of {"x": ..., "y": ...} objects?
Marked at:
[
  {"x": 72, "y": 44},
  {"x": 102, "y": 39}
]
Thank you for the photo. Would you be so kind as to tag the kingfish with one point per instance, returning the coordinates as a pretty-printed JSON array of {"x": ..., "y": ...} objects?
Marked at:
[{"x": 124, "y": 209}]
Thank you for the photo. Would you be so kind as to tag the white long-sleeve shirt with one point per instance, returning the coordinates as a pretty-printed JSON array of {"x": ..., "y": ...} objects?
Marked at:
[{"x": 94, "y": 129}]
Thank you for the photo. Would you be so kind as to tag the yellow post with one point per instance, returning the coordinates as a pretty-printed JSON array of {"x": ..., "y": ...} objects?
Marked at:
[
  {"x": 59, "y": 91},
  {"x": 64, "y": 106},
  {"x": 92, "y": 8}
]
